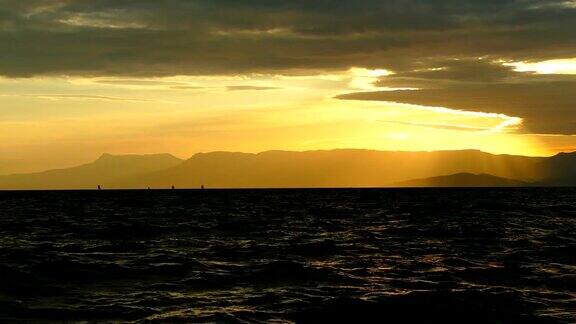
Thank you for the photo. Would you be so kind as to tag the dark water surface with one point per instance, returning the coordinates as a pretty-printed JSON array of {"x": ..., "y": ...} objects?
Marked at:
[{"x": 426, "y": 255}]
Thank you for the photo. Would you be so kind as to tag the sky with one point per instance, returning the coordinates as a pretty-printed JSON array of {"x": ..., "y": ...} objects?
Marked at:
[{"x": 79, "y": 78}]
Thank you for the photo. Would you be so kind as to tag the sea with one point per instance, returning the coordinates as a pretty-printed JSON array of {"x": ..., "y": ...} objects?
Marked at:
[{"x": 482, "y": 255}]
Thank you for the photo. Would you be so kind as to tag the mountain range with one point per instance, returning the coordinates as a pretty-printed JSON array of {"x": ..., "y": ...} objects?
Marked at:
[
  {"x": 308, "y": 169},
  {"x": 106, "y": 170}
]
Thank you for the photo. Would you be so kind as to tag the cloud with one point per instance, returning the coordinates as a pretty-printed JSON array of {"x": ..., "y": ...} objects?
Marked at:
[
  {"x": 546, "y": 107},
  {"x": 546, "y": 103},
  {"x": 454, "y": 50},
  {"x": 199, "y": 37},
  {"x": 455, "y": 70}
]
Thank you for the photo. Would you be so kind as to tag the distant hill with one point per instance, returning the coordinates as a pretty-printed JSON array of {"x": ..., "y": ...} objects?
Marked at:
[
  {"x": 286, "y": 169},
  {"x": 462, "y": 180},
  {"x": 105, "y": 171},
  {"x": 335, "y": 168},
  {"x": 559, "y": 170}
]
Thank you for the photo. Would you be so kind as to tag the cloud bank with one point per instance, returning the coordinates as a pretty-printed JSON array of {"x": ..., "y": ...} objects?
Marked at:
[
  {"x": 174, "y": 37},
  {"x": 429, "y": 44}
]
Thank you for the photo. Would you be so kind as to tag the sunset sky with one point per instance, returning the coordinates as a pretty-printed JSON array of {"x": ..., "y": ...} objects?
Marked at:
[{"x": 82, "y": 77}]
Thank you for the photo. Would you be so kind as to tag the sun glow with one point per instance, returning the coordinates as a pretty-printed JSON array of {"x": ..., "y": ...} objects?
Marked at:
[
  {"x": 560, "y": 66},
  {"x": 83, "y": 117},
  {"x": 365, "y": 79}
]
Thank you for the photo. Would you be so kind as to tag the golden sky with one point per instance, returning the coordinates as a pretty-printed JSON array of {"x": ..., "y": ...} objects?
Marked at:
[
  {"x": 65, "y": 121},
  {"x": 82, "y": 78}
]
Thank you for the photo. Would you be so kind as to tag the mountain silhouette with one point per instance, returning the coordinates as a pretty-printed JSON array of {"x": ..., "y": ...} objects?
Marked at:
[
  {"x": 560, "y": 170},
  {"x": 334, "y": 168},
  {"x": 462, "y": 180},
  {"x": 105, "y": 171},
  {"x": 308, "y": 169}
]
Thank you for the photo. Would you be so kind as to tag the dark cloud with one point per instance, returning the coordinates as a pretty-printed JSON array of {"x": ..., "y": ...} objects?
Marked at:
[
  {"x": 159, "y": 38},
  {"x": 430, "y": 44},
  {"x": 433, "y": 73},
  {"x": 475, "y": 70},
  {"x": 546, "y": 102},
  {"x": 548, "y": 107}
]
